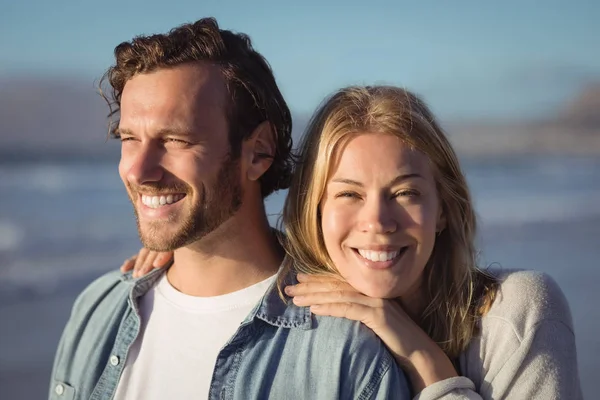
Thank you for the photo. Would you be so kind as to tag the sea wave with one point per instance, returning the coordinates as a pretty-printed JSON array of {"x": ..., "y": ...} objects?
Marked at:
[
  {"x": 52, "y": 178},
  {"x": 530, "y": 208},
  {"x": 11, "y": 236}
]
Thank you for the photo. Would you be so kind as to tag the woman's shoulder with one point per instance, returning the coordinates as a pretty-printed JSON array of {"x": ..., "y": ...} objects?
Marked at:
[
  {"x": 527, "y": 305},
  {"x": 526, "y": 298}
]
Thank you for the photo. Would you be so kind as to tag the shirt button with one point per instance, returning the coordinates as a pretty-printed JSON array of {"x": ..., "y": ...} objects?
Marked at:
[
  {"x": 114, "y": 360},
  {"x": 59, "y": 389}
]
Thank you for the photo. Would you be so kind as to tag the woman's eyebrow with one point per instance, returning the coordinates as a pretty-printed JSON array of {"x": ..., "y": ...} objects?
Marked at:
[{"x": 395, "y": 181}]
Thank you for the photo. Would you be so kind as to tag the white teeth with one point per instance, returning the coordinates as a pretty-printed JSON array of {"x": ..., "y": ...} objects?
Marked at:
[
  {"x": 158, "y": 201},
  {"x": 378, "y": 255}
]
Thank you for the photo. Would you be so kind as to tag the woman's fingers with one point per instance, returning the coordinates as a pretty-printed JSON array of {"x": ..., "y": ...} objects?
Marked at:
[
  {"x": 139, "y": 261},
  {"x": 153, "y": 260},
  {"x": 353, "y": 311},
  {"x": 162, "y": 259},
  {"x": 128, "y": 264},
  {"x": 317, "y": 284},
  {"x": 317, "y": 278},
  {"x": 338, "y": 296},
  {"x": 305, "y": 288},
  {"x": 145, "y": 265},
  {"x": 145, "y": 261}
]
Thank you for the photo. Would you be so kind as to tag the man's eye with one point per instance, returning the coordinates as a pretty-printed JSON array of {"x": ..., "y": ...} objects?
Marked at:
[{"x": 177, "y": 141}]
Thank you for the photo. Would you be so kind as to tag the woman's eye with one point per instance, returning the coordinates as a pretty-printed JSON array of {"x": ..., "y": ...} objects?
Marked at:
[
  {"x": 348, "y": 195},
  {"x": 407, "y": 193}
]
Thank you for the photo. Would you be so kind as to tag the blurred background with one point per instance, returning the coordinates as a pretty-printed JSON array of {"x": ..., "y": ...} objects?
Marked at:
[{"x": 516, "y": 85}]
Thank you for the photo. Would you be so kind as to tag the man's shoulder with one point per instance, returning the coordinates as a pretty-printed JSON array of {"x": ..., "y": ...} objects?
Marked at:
[
  {"x": 343, "y": 359},
  {"x": 353, "y": 336},
  {"x": 109, "y": 290},
  {"x": 364, "y": 355},
  {"x": 90, "y": 332}
]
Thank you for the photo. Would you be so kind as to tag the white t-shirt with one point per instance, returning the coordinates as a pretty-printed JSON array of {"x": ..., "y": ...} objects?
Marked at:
[{"x": 180, "y": 337}]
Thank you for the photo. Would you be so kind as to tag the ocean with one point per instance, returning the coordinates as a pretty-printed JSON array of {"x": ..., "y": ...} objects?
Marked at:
[{"x": 62, "y": 224}]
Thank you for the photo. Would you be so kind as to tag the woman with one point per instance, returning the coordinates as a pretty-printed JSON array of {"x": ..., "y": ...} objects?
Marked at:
[{"x": 380, "y": 228}]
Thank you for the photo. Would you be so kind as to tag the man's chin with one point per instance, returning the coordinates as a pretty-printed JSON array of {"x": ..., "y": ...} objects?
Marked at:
[
  {"x": 155, "y": 244},
  {"x": 161, "y": 240}
]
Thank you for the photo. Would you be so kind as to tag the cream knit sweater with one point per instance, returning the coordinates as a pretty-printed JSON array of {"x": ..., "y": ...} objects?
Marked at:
[{"x": 526, "y": 349}]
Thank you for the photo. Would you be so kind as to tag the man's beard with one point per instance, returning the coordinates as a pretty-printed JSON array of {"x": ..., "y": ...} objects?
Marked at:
[{"x": 219, "y": 203}]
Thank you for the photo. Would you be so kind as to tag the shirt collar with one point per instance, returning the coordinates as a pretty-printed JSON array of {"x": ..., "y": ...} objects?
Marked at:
[
  {"x": 141, "y": 286},
  {"x": 279, "y": 310},
  {"x": 273, "y": 308}
]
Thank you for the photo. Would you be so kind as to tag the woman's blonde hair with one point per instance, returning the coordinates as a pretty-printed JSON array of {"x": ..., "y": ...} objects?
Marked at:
[{"x": 455, "y": 291}]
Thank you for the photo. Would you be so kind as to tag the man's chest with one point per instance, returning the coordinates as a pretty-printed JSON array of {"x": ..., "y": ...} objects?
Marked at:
[{"x": 175, "y": 351}]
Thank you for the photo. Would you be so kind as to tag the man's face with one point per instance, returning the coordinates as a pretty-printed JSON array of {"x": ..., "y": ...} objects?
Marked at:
[{"x": 175, "y": 155}]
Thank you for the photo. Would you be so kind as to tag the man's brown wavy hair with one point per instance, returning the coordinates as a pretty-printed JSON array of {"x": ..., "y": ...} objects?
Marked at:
[{"x": 253, "y": 93}]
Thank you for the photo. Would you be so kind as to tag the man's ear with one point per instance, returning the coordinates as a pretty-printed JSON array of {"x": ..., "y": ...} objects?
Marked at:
[{"x": 258, "y": 151}]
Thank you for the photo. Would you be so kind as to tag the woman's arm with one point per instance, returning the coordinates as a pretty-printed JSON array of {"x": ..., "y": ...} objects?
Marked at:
[
  {"x": 539, "y": 365},
  {"x": 526, "y": 350},
  {"x": 421, "y": 358},
  {"x": 544, "y": 366}
]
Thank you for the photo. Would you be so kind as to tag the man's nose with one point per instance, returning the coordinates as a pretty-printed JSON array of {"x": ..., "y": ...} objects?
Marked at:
[{"x": 144, "y": 164}]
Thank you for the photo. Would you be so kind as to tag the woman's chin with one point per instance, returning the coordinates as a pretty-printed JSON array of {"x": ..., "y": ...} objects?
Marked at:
[{"x": 378, "y": 291}]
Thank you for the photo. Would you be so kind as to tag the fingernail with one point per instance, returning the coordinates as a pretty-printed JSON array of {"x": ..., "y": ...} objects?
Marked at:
[{"x": 289, "y": 290}]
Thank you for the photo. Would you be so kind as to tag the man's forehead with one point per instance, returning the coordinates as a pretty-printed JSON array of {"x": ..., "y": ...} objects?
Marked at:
[{"x": 199, "y": 83}]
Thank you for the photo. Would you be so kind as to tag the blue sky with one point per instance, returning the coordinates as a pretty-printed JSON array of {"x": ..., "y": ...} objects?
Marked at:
[{"x": 468, "y": 58}]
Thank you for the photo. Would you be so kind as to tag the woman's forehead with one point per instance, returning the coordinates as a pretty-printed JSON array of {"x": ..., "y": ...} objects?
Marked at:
[{"x": 373, "y": 152}]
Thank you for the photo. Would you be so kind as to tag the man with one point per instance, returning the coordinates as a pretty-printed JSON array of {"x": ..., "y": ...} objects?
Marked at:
[{"x": 206, "y": 135}]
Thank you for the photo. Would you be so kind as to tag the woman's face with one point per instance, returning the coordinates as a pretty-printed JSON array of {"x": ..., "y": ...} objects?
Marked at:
[{"x": 380, "y": 214}]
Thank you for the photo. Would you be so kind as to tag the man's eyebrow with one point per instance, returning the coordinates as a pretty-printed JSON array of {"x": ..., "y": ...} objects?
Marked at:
[
  {"x": 161, "y": 132},
  {"x": 395, "y": 181},
  {"x": 123, "y": 131},
  {"x": 173, "y": 132}
]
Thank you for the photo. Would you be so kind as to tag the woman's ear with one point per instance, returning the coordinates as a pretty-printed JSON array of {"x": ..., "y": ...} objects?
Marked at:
[
  {"x": 259, "y": 150},
  {"x": 441, "y": 221}
]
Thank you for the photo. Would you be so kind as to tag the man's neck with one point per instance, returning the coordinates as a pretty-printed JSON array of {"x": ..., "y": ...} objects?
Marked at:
[{"x": 241, "y": 254}]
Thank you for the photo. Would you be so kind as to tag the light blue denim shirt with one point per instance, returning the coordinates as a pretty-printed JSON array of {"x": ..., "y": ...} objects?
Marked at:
[{"x": 280, "y": 351}]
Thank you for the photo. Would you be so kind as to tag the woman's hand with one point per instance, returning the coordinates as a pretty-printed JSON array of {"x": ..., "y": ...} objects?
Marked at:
[
  {"x": 145, "y": 261},
  {"x": 421, "y": 358}
]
